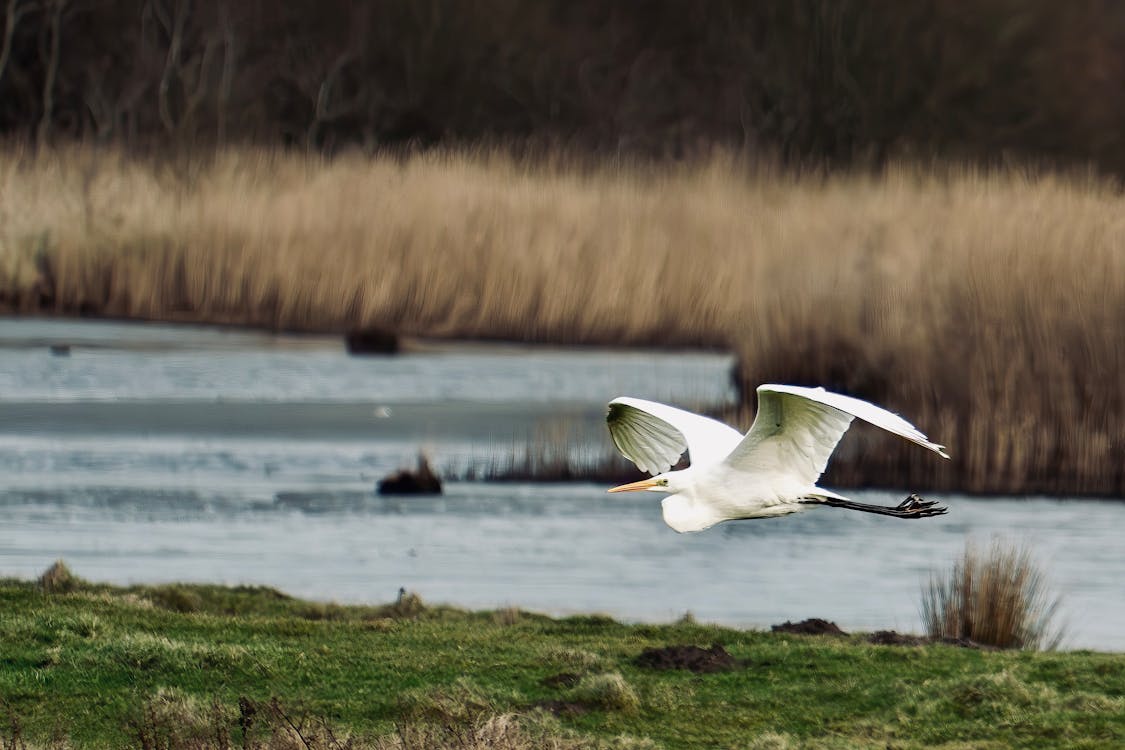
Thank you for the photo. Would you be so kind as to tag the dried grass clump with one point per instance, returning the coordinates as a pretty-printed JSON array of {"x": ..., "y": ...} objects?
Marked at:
[
  {"x": 608, "y": 692},
  {"x": 461, "y": 703},
  {"x": 507, "y": 616},
  {"x": 499, "y": 732},
  {"x": 574, "y": 658},
  {"x": 770, "y": 741},
  {"x": 172, "y": 720},
  {"x": 406, "y": 606},
  {"x": 58, "y": 579},
  {"x": 999, "y": 598}
]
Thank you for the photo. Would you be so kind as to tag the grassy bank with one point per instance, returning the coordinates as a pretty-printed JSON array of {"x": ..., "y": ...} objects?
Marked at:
[
  {"x": 984, "y": 306},
  {"x": 187, "y": 666}
]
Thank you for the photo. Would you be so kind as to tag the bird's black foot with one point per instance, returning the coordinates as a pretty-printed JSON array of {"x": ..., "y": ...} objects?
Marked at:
[
  {"x": 916, "y": 507},
  {"x": 911, "y": 507}
]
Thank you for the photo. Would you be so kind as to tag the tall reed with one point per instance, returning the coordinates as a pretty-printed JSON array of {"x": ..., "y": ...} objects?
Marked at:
[
  {"x": 997, "y": 598},
  {"x": 984, "y": 306}
]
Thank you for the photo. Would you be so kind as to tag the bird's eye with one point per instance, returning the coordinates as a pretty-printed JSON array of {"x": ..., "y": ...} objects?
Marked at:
[{"x": 663, "y": 482}]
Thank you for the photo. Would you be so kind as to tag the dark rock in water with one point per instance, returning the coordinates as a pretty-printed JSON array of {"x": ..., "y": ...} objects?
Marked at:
[
  {"x": 371, "y": 341},
  {"x": 60, "y": 350},
  {"x": 421, "y": 481},
  {"x": 691, "y": 658},
  {"x": 812, "y": 626}
]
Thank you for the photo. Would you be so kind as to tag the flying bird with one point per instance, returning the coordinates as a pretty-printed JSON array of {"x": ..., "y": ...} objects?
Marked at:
[{"x": 772, "y": 470}]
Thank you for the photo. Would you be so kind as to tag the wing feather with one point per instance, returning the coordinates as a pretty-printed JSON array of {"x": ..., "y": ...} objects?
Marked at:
[
  {"x": 796, "y": 429},
  {"x": 654, "y": 435}
]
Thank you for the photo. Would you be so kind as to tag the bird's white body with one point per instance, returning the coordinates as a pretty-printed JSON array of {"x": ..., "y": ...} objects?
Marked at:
[{"x": 772, "y": 470}]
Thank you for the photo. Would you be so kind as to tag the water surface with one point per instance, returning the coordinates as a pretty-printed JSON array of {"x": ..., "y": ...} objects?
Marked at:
[{"x": 154, "y": 453}]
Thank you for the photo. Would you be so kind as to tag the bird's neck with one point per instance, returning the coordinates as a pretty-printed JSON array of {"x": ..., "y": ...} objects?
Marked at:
[{"x": 683, "y": 515}]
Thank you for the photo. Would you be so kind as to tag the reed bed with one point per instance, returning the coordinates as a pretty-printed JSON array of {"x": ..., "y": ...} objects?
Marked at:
[{"x": 985, "y": 306}]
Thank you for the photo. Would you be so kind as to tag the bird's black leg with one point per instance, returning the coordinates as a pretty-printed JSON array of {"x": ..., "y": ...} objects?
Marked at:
[{"x": 911, "y": 507}]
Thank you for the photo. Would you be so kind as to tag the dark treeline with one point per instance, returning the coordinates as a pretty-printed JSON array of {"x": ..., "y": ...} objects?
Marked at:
[{"x": 828, "y": 81}]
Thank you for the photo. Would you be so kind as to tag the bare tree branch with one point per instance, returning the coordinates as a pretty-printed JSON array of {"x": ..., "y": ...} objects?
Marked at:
[
  {"x": 329, "y": 104},
  {"x": 196, "y": 93},
  {"x": 174, "y": 25},
  {"x": 11, "y": 19},
  {"x": 226, "y": 78},
  {"x": 43, "y": 133}
]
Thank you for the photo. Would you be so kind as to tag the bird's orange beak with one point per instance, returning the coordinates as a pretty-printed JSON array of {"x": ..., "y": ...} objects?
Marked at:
[{"x": 644, "y": 484}]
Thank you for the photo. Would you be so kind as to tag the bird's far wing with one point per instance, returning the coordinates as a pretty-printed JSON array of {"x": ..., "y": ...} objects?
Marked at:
[
  {"x": 796, "y": 429},
  {"x": 654, "y": 436}
]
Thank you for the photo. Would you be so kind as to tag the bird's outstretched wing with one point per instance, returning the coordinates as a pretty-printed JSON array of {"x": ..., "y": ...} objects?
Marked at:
[
  {"x": 796, "y": 430},
  {"x": 654, "y": 435}
]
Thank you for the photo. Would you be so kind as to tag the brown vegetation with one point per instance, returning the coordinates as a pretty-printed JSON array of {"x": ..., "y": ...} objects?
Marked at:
[
  {"x": 998, "y": 598},
  {"x": 984, "y": 306},
  {"x": 814, "y": 81},
  {"x": 172, "y": 720},
  {"x": 57, "y": 579}
]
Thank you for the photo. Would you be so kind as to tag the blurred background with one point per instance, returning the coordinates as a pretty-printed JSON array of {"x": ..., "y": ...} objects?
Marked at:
[{"x": 811, "y": 83}]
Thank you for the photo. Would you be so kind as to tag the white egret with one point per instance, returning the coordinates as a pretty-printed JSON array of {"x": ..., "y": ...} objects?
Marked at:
[{"x": 772, "y": 470}]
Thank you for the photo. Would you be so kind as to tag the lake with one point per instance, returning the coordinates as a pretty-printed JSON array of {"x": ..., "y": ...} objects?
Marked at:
[{"x": 146, "y": 453}]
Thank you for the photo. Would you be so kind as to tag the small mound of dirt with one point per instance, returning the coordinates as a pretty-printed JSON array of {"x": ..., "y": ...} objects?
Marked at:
[
  {"x": 562, "y": 680},
  {"x": 891, "y": 638},
  {"x": 691, "y": 658},
  {"x": 812, "y": 626}
]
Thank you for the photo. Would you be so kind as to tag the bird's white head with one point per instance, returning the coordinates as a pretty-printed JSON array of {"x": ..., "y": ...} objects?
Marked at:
[
  {"x": 679, "y": 511},
  {"x": 668, "y": 482}
]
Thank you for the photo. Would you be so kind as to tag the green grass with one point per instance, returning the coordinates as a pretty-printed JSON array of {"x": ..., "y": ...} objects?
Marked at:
[{"x": 97, "y": 664}]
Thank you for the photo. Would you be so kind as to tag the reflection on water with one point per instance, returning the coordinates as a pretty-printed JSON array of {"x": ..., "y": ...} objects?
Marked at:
[{"x": 186, "y": 458}]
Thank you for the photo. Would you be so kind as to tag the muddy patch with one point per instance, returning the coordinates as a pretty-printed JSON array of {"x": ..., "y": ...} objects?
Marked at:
[
  {"x": 891, "y": 638},
  {"x": 967, "y": 643},
  {"x": 691, "y": 658},
  {"x": 811, "y": 626}
]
